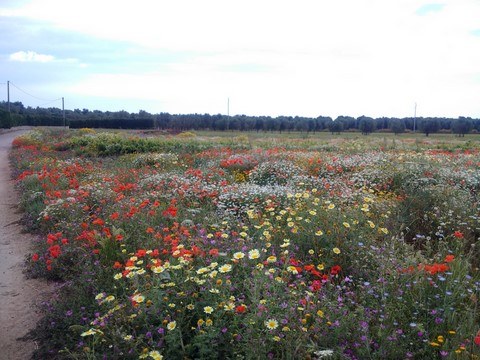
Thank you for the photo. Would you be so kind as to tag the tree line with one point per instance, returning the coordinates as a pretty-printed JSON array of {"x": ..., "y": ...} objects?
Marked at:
[{"x": 20, "y": 115}]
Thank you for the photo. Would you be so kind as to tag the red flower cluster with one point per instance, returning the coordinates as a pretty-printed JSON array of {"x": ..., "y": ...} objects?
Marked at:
[
  {"x": 432, "y": 269},
  {"x": 55, "y": 242}
]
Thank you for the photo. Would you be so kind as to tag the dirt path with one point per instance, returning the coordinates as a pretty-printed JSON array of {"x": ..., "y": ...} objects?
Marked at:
[{"x": 18, "y": 295}]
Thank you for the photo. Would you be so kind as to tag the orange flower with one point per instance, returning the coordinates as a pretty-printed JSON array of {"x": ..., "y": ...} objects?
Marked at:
[{"x": 449, "y": 258}]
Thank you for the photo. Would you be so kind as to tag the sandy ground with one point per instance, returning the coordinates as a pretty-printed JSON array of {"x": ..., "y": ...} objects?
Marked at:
[{"x": 19, "y": 296}]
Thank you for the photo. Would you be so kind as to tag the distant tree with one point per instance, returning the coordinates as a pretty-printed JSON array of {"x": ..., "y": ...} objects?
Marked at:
[
  {"x": 163, "y": 121},
  {"x": 366, "y": 125},
  {"x": 5, "y": 120},
  {"x": 301, "y": 124},
  {"x": 382, "y": 123},
  {"x": 233, "y": 123},
  {"x": 322, "y": 122},
  {"x": 462, "y": 126},
  {"x": 269, "y": 124},
  {"x": 335, "y": 127},
  {"x": 397, "y": 126},
  {"x": 348, "y": 122},
  {"x": 258, "y": 124},
  {"x": 282, "y": 125},
  {"x": 142, "y": 114},
  {"x": 428, "y": 125}
]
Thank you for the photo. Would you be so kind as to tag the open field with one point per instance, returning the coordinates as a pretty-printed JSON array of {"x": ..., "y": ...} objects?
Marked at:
[{"x": 219, "y": 245}]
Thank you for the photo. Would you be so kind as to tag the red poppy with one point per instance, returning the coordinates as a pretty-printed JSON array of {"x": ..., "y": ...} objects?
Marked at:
[
  {"x": 316, "y": 285},
  {"x": 449, "y": 258},
  {"x": 55, "y": 251},
  {"x": 436, "y": 268},
  {"x": 335, "y": 269},
  {"x": 458, "y": 234},
  {"x": 240, "y": 309},
  {"x": 150, "y": 230},
  {"x": 309, "y": 268},
  {"x": 51, "y": 238},
  {"x": 476, "y": 340},
  {"x": 141, "y": 253},
  {"x": 98, "y": 221},
  {"x": 213, "y": 252},
  {"x": 171, "y": 211}
]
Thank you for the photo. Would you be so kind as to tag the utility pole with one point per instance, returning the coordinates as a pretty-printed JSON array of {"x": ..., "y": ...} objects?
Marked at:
[
  {"x": 8, "y": 96},
  {"x": 63, "y": 110}
]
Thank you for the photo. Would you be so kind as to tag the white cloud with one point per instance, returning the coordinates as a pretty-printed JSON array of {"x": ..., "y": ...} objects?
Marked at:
[
  {"x": 372, "y": 57},
  {"x": 30, "y": 56}
]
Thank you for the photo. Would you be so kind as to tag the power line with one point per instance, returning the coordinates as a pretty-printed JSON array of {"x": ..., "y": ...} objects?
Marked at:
[
  {"x": 49, "y": 102},
  {"x": 36, "y": 97}
]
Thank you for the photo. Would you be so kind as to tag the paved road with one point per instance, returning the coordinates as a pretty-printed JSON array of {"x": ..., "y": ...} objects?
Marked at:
[{"x": 18, "y": 312}]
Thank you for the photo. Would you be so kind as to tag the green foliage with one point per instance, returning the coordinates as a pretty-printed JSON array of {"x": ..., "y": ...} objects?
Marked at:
[
  {"x": 335, "y": 127},
  {"x": 366, "y": 125},
  {"x": 397, "y": 126},
  {"x": 114, "y": 144},
  {"x": 428, "y": 125},
  {"x": 5, "y": 120},
  {"x": 112, "y": 123},
  {"x": 462, "y": 126}
]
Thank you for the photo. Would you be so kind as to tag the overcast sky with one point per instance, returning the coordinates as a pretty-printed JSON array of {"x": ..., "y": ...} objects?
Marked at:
[{"x": 303, "y": 57}]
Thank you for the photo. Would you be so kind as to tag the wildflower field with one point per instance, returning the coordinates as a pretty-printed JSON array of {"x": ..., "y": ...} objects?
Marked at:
[{"x": 189, "y": 247}]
